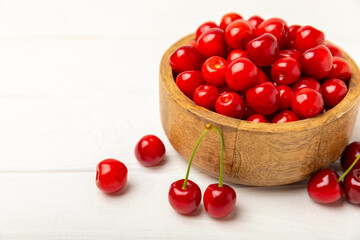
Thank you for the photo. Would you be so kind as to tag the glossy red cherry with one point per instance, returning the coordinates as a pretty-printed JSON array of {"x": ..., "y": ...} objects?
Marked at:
[
  {"x": 150, "y": 150},
  {"x": 351, "y": 186},
  {"x": 111, "y": 175},
  {"x": 308, "y": 37},
  {"x": 238, "y": 34},
  {"x": 219, "y": 201},
  {"x": 262, "y": 77},
  {"x": 188, "y": 81},
  {"x": 212, "y": 43},
  {"x": 352, "y": 151},
  {"x": 234, "y": 54},
  {"x": 286, "y": 71},
  {"x": 230, "y": 104},
  {"x": 263, "y": 50},
  {"x": 205, "y": 96},
  {"x": 213, "y": 70},
  {"x": 335, "y": 50},
  {"x": 294, "y": 53},
  {"x": 255, "y": 21},
  {"x": 324, "y": 187},
  {"x": 307, "y": 103},
  {"x": 192, "y": 43},
  {"x": 316, "y": 62},
  {"x": 276, "y": 27},
  {"x": 285, "y": 116},
  {"x": 340, "y": 69},
  {"x": 184, "y": 201},
  {"x": 227, "y": 19},
  {"x": 334, "y": 90},
  {"x": 204, "y": 27},
  {"x": 224, "y": 89},
  {"x": 307, "y": 82},
  {"x": 258, "y": 118},
  {"x": 241, "y": 74},
  {"x": 263, "y": 98},
  {"x": 292, "y": 33},
  {"x": 185, "y": 58},
  {"x": 285, "y": 94}
]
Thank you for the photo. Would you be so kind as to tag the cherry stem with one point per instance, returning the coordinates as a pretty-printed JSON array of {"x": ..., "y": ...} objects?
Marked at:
[
  {"x": 349, "y": 169},
  {"x": 221, "y": 156}
]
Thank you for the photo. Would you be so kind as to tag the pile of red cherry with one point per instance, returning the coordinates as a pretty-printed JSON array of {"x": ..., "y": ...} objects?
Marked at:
[{"x": 261, "y": 70}]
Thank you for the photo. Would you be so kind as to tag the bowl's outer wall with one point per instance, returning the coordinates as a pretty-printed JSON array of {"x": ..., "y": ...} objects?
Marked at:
[{"x": 255, "y": 153}]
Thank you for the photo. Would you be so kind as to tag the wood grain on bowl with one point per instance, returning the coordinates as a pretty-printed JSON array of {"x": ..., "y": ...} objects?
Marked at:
[{"x": 259, "y": 154}]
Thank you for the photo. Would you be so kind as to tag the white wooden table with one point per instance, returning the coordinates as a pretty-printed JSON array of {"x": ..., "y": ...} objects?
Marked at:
[{"x": 79, "y": 83}]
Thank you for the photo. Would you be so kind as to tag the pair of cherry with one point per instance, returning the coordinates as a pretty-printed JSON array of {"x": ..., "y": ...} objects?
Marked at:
[
  {"x": 185, "y": 195},
  {"x": 327, "y": 187}
]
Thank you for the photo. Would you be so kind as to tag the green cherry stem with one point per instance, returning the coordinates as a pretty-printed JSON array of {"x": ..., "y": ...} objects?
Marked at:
[
  {"x": 349, "y": 169},
  {"x": 221, "y": 156}
]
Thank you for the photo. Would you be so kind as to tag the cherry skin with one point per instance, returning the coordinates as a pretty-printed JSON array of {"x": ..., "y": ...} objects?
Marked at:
[
  {"x": 307, "y": 82},
  {"x": 212, "y": 43},
  {"x": 188, "y": 81},
  {"x": 340, "y": 69},
  {"x": 204, "y": 27},
  {"x": 324, "y": 187},
  {"x": 286, "y": 71},
  {"x": 294, "y": 53},
  {"x": 285, "y": 116},
  {"x": 316, "y": 62},
  {"x": 307, "y": 103},
  {"x": 263, "y": 50},
  {"x": 335, "y": 50},
  {"x": 184, "y": 201},
  {"x": 263, "y": 98},
  {"x": 241, "y": 74},
  {"x": 255, "y": 21},
  {"x": 308, "y": 37},
  {"x": 238, "y": 34},
  {"x": 111, "y": 175},
  {"x": 213, "y": 70},
  {"x": 262, "y": 77},
  {"x": 249, "y": 111},
  {"x": 352, "y": 151},
  {"x": 276, "y": 27},
  {"x": 219, "y": 201},
  {"x": 285, "y": 94},
  {"x": 236, "y": 53},
  {"x": 351, "y": 186},
  {"x": 292, "y": 33},
  {"x": 227, "y": 19},
  {"x": 258, "y": 118},
  {"x": 185, "y": 58},
  {"x": 205, "y": 96},
  {"x": 192, "y": 43},
  {"x": 224, "y": 89},
  {"x": 334, "y": 90},
  {"x": 230, "y": 104},
  {"x": 150, "y": 150}
]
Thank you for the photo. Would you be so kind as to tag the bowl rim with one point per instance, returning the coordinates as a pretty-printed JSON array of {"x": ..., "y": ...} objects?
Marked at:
[{"x": 168, "y": 81}]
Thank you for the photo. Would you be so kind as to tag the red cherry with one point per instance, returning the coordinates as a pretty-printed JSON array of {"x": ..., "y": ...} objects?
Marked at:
[
  {"x": 227, "y": 19},
  {"x": 238, "y": 34},
  {"x": 263, "y": 50},
  {"x": 150, "y": 150},
  {"x": 205, "y": 96},
  {"x": 334, "y": 90},
  {"x": 255, "y": 21},
  {"x": 219, "y": 201},
  {"x": 213, "y": 70},
  {"x": 188, "y": 81},
  {"x": 263, "y": 98},
  {"x": 185, "y": 58},
  {"x": 184, "y": 201},
  {"x": 352, "y": 151},
  {"x": 307, "y": 103},
  {"x": 340, "y": 69},
  {"x": 285, "y": 116},
  {"x": 292, "y": 33},
  {"x": 335, "y": 50},
  {"x": 286, "y": 71},
  {"x": 285, "y": 94},
  {"x": 276, "y": 27},
  {"x": 234, "y": 54},
  {"x": 224, "y": 89},
  {"x": 316, "y": 62},
  {"x": 212, "y": 43},
  {"x": 249, "y": 111},
  {"x": 230, "y": 104},
  {"x": 307, "y": 82},
  {"x": 324, "y": 187},
  {"x": 204, "y": 27},
  {"x": 111, "y": 175},
  {"x": 241, "y": 74},
  {"x": 351, "y": 186},
  {"x": 258, "y": 118},
  {"x": 262, "y": 77},
  {"x": 294, "y": 53},
  {"x": 308, "y": 37}
]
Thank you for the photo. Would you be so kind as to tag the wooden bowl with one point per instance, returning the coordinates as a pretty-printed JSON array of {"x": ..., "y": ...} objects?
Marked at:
[{"x": 259, "y": 154}]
